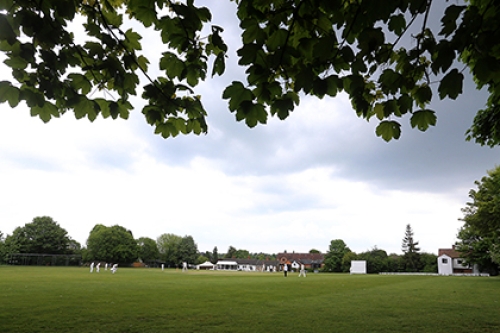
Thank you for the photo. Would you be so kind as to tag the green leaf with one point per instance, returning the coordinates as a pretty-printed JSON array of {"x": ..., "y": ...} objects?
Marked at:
[
  {"x": 277, "y": 39},
  {"x": 146, "y": 15},
  {"x": 423, "y": 95},
  {"x": 124, "y": 108},
  {"x": 237, "y": 93},
  {"x": 444, "y": 57},
  {"x": 388, "y": 130},
  {"x": 9, "y": 93},
  {"x": 93, "y": 29},
  {"x": 219, "y": 65},
  {"x": 252, "y": 32},
  {"x": 423, "y": 119},
  {"x": 16, "y": 62},
  {"x": 45, "y": 112},
  {"x": 451, "y": 84},
  {"x": 204, "y": 14},
  {"x": 6, "y": 31},
  {"x": 450, "y": 18},
  {"x": 405, "y": 104},
  {"x": 334, "y": 85},
  {"x": 132, "y": 40},
  {"x": 196, "y": 126},
  {"x": 113, "y": 18},
  {"x": 95, "y": 49},
  {"x": 5, "y": 4},
  {"x": 143, "y": 62},
  {"x": 130, "y": 81},
  {"x": 85, "y": 107},
  {"x": 193, "y": 74},
  {"x": 378, "y": 110},
  {"x": 80, "y": 82},
  {"x": 248, "y": 53},
  {"x": 282, "y": 107},
  {"x": 389, "y": 81},
  {"x": 172, "y": 65},
  {"x": 482, "y": 69},
  {"x": 215, "y": 43},
  {"x": 114, "y": 109},
  {"x": 391, "y": 107},
  {"x": 304, "y": 80},
  {"x": 32, "y": 97},
  {"x": 397, "y": 24},
  {"x": 252, "y": 113},
  {"x": 103, "y": 106}
]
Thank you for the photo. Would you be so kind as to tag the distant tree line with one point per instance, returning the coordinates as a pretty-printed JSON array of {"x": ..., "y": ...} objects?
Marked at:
[
  {"x": 339, "y": 257},
  {"x": 113, "y": 244},
  {"x": 116, "y": 244}
]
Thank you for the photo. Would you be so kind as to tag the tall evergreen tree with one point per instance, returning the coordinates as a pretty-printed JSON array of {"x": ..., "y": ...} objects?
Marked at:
[
  {"x": 411, "y": 251},
  {"x": 215, "y": 255}
]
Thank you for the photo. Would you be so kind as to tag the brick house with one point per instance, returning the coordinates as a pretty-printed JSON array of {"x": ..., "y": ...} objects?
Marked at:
[{"x": 309, "y": 260}]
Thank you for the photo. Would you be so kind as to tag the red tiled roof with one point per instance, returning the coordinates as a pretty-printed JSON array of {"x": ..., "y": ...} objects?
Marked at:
[
  {"x": 452, "y": 253},
  {"x": 301, "y": 256}
]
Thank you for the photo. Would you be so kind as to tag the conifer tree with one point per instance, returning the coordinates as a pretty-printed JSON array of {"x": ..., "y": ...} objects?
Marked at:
[{"x": 411, "y": 251}]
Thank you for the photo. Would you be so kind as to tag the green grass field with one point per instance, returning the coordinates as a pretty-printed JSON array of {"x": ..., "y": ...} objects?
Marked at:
[{"x": 46, "y": 299}]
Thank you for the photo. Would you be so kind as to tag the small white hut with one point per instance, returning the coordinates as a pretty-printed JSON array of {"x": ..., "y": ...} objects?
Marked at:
[
  {"x": 358, "y": 267},
  {"x": 445, "y": 265}
]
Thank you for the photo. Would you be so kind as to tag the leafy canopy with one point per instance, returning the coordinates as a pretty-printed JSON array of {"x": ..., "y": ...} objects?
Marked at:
[
  {"x": 334, "y": 257},
  {"x": 480, "y": 235},
  {"x": 113, "y": 244},
  {"x": 42, "y": 235},
  {"x": 289, "y": 48}
]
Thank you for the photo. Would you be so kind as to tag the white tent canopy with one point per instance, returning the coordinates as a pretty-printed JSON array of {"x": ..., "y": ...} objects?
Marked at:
[{"x": 205, "y": 265}]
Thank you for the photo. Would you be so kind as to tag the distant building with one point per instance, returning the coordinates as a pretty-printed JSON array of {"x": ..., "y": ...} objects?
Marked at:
[
  {"x": 248, "y": 265},
  {"x": 450, "y": 262},
  {"x": 309, "y": 260}
]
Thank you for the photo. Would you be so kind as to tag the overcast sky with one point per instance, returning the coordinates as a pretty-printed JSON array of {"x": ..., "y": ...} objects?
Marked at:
[{"x": 289, "y": 185}]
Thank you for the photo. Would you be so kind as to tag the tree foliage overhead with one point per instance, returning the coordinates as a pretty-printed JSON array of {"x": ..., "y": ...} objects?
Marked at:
[{"x": 289, "y": 48}]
